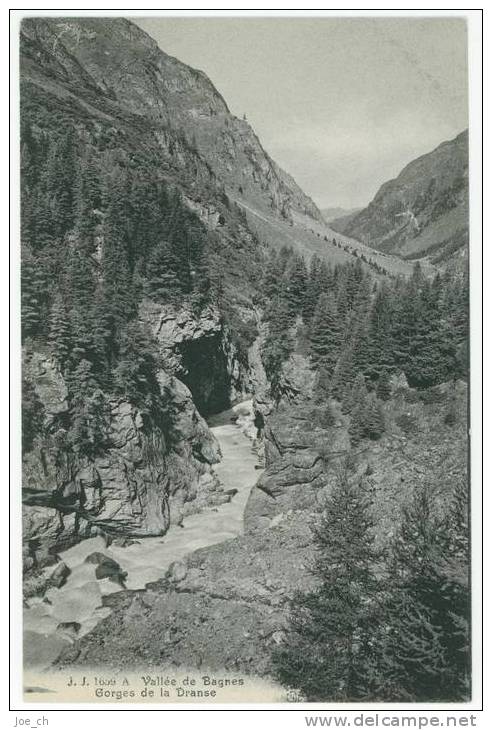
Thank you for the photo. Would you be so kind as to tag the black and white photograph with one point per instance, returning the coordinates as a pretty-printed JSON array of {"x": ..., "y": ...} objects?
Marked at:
[{"x": 245, "y": 359}]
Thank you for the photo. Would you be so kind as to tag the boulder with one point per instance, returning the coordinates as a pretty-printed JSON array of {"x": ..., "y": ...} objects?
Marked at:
[
  {"x": 59, "y": 576},
  {"x": 177, "y": 571},
  {"x": 69, "y": 629},
  {"x": 106, "y": 567}
]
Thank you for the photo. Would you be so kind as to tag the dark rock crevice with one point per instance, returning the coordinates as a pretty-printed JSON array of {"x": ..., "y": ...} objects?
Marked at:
[{"x": 204, "y": 370}]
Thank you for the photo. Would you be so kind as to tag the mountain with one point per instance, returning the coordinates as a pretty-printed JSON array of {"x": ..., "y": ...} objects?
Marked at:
[
  {"x": 423, "y": 212},
  {"x": 330, "y": 214},
  {"x": 114, "y": 81},
  {"x": 115, "y": 71}
]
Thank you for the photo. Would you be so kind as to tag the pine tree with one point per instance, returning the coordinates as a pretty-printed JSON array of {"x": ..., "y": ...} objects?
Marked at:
[
  {"x": 278, "y": 344},
  {"x": 272, "y": 276},
  {"x": 313, "y": 289},
  {"x": 379, "y": 346},
  {"x": 373, "y": 417},
  {"x": 330, "y": 626},
  {"x": 425, "y": 610},
  {"x": 87, "y": 197},
  {"x": 322, "y": 387},
  {"x": 344, "y": 375},
  {"x": 296, "y": 284},
  {"x": 135, "y": 375},
  {"x": 325, "y": 335},
  {"x": 59, "y": 334},
  {"x": 117, "y": 276},
  {"x": 356, "y": 395},
  {"x": 88, "y": 410},
  {"x": 32, "y": 415},
  {"x": 162, "y": 274},
  {"x": 383, "y": 388}
]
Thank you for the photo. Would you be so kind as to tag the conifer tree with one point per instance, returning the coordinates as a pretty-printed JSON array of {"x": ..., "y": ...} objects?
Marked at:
[
  {"x": 418, "y": 656},
  {"x": 88, "y": 411},
  {"x": 59, "y": 334},
  {"x": 162, "y": 273},
  {"x": 313, "y": 289},
  {"x": 32, "y": 415},
  {"x": 344, "y": 375},
  {"x": 272, "y": 276},
  {"x": 357, "y": 394},
  {"x": 379, "y": 353},
  {"x": 329, "y": 626},
  {"x": 117, "y": 278},
  {"x": 296, "y": 284},
  {"x": 373, "y": 417},
  {"x": 135, "y": 375},
  {"x": 383, "y": 388},
  {"x": 325, "y": 335},
  {"x": 323, "y": 382},
  {"x": 278, "y": 345}
]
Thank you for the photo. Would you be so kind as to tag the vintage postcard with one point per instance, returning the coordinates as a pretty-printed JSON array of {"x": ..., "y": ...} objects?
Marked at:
[{"x": 244, "y": 251}]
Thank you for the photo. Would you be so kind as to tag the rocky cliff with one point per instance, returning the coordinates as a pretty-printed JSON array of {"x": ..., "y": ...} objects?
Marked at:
[
  {"x": 424, "y": 211},
  {"x": 144, "y": 478}
]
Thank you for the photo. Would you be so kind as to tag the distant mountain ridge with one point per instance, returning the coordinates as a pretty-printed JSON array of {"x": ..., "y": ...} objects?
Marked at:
[
  {"x": 331, "y": 214},
  {"x": 423, "y": 212}
]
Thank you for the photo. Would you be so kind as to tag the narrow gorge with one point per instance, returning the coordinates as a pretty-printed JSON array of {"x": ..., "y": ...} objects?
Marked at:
[{"x": 244, "y": 444}]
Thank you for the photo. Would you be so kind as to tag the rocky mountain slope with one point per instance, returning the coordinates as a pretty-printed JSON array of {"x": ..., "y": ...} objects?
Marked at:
[
  {"x": 112, "y": 76},
  {"x": 423, "y": 212},
  {"x": 115, "y": 71}
]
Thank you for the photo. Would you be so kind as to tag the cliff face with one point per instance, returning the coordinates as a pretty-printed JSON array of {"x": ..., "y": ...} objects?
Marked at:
[
  {"x": 424, "y": 211},
  {"x": 115, "y": 72},
  {"x": 145, "y": 479}
]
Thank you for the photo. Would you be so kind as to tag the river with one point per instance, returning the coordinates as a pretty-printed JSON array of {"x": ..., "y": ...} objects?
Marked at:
[{"x": 146, "y": 560}]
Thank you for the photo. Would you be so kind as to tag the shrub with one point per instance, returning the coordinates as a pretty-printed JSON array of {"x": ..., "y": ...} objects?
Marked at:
[
  {"x": 450, "y": 417},
  {"x": 407, "y": 423}
]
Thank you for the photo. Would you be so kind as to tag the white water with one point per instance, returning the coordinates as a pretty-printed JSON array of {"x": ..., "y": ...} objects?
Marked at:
[{"x": 147, "y": 560}]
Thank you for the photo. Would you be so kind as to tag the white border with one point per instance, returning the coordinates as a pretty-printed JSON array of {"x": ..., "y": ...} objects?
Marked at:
[{"x": 283, "y": 713}]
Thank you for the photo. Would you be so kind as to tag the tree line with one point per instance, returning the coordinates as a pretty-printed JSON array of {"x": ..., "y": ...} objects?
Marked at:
[{"x": 360, "y": 332}]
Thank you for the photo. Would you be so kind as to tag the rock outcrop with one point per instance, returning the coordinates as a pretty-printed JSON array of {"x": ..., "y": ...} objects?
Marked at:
[
  {"x": 137, "y": 486},
  {"x": 197, "y": 349}
]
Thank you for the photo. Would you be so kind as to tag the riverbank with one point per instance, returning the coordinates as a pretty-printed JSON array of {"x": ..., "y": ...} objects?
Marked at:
[{"x": 52, "y": 622}]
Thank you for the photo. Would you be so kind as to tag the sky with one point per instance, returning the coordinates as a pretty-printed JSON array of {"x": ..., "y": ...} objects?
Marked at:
[{"x": 342, "y": 104}]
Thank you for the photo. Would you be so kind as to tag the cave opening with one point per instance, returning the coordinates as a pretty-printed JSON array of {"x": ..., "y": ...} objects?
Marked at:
[{"x": 205, "y": 372}]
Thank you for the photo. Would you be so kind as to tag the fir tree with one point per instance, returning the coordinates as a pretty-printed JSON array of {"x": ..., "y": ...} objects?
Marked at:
[
  {"x": 162, "y": 274},
  {"x": 32, "y": 415},
  {"x": 383, "y": 388},
  {"x": 325, "y": 335},
  {"x": 357, "y": 394},
  {"x": 330, "y": 626},
  {"x": 419, "y": 659},
  {"x": 88, "y": 410},
  {"x": 296, "y": 280},
  {"x": 59, "y": 334}
]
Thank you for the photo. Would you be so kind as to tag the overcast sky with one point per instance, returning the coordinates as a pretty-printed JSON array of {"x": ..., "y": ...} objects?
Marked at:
[{"x": 341, "y": 104}]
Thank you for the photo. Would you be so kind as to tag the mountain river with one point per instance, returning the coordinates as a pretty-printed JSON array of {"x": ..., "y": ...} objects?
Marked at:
[{"x": 80, "y": 598}]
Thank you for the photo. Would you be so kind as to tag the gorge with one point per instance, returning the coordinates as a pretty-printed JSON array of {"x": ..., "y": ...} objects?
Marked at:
[{"x": 208, "y": 367}]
